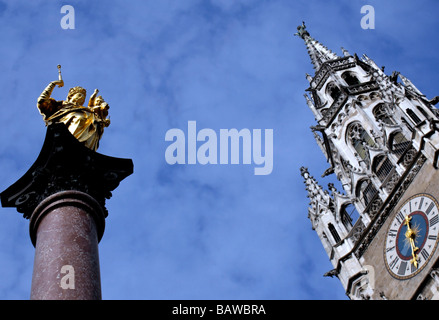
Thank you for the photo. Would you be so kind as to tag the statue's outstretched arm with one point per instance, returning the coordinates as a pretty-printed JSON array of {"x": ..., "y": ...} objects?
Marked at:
[
  {"x": 45, "y": 95},
  {"x": 45, "y": 102}
]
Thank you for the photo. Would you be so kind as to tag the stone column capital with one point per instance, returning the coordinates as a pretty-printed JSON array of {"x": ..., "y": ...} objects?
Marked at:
[{"x": 66, "y": 164}]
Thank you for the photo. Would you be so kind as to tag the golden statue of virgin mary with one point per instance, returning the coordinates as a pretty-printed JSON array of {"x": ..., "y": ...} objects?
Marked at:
[{"x": 85, "y": 123}]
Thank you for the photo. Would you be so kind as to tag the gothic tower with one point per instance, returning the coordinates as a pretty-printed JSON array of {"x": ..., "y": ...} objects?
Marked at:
[{"x": 380, "y": 136}]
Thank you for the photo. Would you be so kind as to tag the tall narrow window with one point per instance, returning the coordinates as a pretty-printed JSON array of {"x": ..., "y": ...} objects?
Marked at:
[
  {"x": 334, "y": 233},
  {"x": 413, "y": 115},
  {"x": 423, "y": 112},
  {"x": 349, "y": 215}
]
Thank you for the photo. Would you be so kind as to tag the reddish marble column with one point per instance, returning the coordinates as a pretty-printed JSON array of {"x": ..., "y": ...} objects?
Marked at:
[{"x": 66, "y": 228}]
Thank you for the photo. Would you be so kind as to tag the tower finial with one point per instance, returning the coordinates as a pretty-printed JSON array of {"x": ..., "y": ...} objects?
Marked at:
[
  {"x": 301, "y": 31},
  {"x": 318, "y": 53}
]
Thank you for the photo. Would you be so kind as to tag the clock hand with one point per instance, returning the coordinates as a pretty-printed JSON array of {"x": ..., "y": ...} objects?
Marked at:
[
  {"x": 415, "y": 256},
  {"x": 411, "y": 235}
]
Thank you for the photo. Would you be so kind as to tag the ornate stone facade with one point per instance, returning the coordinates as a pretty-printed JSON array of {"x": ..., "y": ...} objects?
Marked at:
[{"x": 378, "y": 132}]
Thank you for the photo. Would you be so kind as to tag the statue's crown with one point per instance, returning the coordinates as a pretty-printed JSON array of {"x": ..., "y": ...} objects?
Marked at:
[{"x": 76, "y": 90}]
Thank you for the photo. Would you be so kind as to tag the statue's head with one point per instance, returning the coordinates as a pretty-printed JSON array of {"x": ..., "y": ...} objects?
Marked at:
[
  {"x": 99, "y": 100},
  {"x": 77, "y": 96}
]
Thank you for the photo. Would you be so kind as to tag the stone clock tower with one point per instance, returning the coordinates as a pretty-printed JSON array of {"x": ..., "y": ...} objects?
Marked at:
[{"x": 380, "y": 136}]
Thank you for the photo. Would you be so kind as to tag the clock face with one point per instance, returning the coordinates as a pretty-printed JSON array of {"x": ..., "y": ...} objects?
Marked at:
[{"x": 412, "y": 236}]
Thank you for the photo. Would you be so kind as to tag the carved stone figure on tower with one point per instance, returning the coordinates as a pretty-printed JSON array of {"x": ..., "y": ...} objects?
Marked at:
[
  {"x": 301, "y": 31},
  {"x": 85, "y": 123}
]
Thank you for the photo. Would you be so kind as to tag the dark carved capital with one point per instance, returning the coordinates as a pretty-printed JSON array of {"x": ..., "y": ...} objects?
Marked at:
[{"x": 66, "y": 164}]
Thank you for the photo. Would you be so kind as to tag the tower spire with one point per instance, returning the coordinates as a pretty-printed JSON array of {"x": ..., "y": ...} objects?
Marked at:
[
  {"x": 316, "y": 194},
  {"x": 318, "y": 53}
]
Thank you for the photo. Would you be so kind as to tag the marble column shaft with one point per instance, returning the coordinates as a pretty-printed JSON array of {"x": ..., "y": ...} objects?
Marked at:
[{"x": 65, "y": 229}]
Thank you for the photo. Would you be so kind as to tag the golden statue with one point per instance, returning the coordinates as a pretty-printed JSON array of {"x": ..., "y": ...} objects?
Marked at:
[{"x": 85, "y": 123}]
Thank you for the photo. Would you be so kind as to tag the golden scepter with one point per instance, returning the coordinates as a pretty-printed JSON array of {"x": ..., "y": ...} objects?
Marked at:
[{"x": 60, "y": 77}]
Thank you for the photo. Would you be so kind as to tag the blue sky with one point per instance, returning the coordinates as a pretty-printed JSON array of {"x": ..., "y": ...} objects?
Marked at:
[{"x": 194, "y": 231}]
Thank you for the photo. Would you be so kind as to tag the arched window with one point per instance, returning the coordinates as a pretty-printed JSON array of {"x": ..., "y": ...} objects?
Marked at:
[
  {"x": 359, "y": 139},
  {"x": 334, "y": 233},
  {"x": 382, "y": 167},
  {"x": 350, "y": 78},
  {"x": 333, "y": 91},
  {"x": 381, "y": 113}
]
